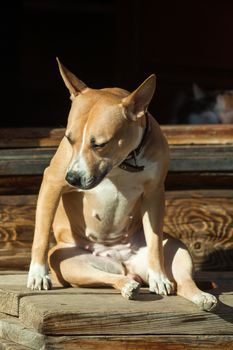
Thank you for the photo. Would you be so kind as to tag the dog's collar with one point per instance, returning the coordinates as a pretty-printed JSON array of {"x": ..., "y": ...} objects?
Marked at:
[{"x": 133, "y": 168}]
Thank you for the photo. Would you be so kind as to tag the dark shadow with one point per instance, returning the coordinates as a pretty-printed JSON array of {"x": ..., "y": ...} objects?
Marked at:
[
  {"x": 221, "y": 260},
  {"x": 218, "y": 260},
  {"x": 145, "y": 295},
  {"x": 223, "y": 310}
]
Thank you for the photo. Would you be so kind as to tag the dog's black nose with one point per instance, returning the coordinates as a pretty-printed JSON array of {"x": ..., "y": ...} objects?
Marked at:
[
  {"x": 73, "y": 179},
  {"x": 80, "y": 180}
]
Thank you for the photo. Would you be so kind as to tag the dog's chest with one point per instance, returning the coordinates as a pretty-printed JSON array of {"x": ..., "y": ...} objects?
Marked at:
[{"x": 109, "y": 208}]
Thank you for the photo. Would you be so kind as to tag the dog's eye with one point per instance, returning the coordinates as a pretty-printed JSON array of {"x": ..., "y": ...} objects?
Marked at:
[{"x": 95, "y": 145}]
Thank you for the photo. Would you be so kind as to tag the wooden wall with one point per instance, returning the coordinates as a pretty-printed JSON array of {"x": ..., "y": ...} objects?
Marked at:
[{"x": 199, "y": 196}]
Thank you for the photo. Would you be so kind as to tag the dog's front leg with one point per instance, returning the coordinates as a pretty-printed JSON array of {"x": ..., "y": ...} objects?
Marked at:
[
  {"x": 48, "y": 200},
  {"x": 52, "y": 187},
  {"x": 153, "y": 207}
]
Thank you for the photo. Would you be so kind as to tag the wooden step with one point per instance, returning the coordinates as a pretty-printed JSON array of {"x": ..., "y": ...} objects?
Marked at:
[{"x": 99, "y": 318}]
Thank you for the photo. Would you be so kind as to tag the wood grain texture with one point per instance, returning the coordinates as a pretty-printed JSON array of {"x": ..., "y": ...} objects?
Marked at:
[
  {"x": 17, "y": 215},
  {"x": 98, "y": 315},
  {"x": 98, "y": 311},
  {"x": 88, "y": 318},
  {"x": 15, "y": 333},
  {"x": 203, "y": 221},
  {"x": 21, "y": 184},
  {"x": 12, "y": 330},
  {"x": 13, "y": 288},
  {"x": 176, "y": 134},
  {"x": 201, "y": 158},
  {"x": 181, "y": 180},
  {"x": 33, "y": 161},
  {"x": 30, "y": 137},
  {"x": 198, "y": 134},
  {"x": 176, "y": 180},
  {"x": 25, "y": 161},
  {"x": 10, "y": 345},
  {"x": 168, "y": 342}
]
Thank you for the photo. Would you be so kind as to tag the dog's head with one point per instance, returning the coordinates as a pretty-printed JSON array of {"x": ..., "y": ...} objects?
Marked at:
[{"x": 104, "y": 126}]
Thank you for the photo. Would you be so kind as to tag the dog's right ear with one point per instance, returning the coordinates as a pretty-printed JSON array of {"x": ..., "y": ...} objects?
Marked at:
[
  {"x": 73, "y": 84},
  {"x": 135, "y": 104}
]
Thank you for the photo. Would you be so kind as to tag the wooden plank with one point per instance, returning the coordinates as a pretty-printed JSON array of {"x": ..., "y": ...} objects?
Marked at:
[
  {"x": 25, "y": 161},
  {"x": 102, "y": 311},
  {"x": 198, "y": 180},
  {"x": 33, "y": 161},
  {"x": 20, "y": 184},
  {"x": 176, "y": 134},
  {"x": 13, "y": 288},
  {"x": 95, "y": 314},
  {"x": 15, "y": 333},
  {"x": 30, "y": 137},
  {"x": 17, "y": 215},
  {"x": 9, "y": 345},
  {"x": 148, "y": 342},
  {"x": 198, "y": 134},
  {"x": 201, "y": 158},
  {"x": 17, "y": 257},
  {"x": 203, "y": 221},
  {"x": 30, "y": 184},
  {"x": 18, "y": 200}
]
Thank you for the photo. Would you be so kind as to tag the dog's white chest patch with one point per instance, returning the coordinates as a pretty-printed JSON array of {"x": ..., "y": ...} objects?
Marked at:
[{"x": 107, "y": 210}]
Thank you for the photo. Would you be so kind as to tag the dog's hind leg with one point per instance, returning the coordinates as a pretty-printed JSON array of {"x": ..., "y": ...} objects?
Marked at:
[
  {"x": 180, "y": 266},
  {"x": 179, "y": 269},
  {"x": 76, "y": 267}
]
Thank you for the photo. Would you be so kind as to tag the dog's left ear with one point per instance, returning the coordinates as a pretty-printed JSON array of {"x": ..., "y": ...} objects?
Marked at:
[
  {"x": 135, "y": 104},
  {"x": 73, "y": 84}
]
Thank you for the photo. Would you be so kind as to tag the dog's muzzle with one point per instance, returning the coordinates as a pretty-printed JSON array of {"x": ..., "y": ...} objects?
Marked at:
[
  {"x": 83, "y": 182},
  {"x": 80, "y": 180}
]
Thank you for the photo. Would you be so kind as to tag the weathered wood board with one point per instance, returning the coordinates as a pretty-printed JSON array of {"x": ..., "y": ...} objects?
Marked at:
[
  {"x": 33, "y": 161},
  {"x": 17, "y": 336},
  {"x": 202, "y": 219},
  {"x": 176, "y": 135},
  {"x": 193, "y": 148},
  {"x": 9, "y": 345},
  {"x": 99, "y": 318},
  {"x": 201, "y": 158},
  {"x": 168, "y": 342},
  {"x": 94, "y": 314}
]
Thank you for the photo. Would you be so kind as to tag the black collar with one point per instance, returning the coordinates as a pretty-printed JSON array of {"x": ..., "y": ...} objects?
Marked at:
[{"x": 133, "y": 155}]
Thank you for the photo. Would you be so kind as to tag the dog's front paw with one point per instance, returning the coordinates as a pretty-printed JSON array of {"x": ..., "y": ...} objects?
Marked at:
[
  {"x": 38, "y": 277},
  {"x": 159, "y": 283}
]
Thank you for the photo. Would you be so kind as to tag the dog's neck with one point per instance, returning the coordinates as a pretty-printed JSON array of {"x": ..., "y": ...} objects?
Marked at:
[{"x": 125, "y": 165}]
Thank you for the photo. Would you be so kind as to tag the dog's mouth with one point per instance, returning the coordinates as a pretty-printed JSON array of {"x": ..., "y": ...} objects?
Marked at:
[{"x": 82, "y": 182}]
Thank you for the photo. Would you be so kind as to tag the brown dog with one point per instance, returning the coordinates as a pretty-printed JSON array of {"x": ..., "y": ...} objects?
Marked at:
[{"x": 104, "y": 194}]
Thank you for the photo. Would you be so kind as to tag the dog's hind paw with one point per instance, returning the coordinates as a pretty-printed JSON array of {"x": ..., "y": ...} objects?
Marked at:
[
  {"x": 38, "y": 278},
  {"x": 130, "y": 289},
  {"x": 205, "y": 301}
]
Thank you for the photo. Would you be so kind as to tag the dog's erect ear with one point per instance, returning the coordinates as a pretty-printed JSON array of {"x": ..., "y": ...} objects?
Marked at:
[
  {"x": 136, "y": 104},
  {"x": 73, "y": 84}
]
